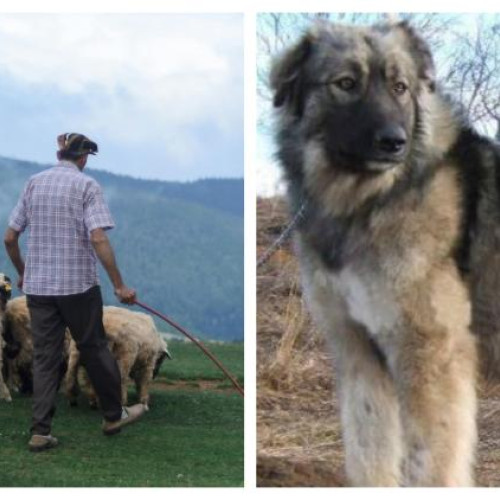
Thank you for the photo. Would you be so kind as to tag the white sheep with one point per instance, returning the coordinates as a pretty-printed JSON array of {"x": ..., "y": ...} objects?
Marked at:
[
  {"x": 137, "y": 346},
  {"x": 5, "y": 291},
  {"x": 132, "y": 337}
]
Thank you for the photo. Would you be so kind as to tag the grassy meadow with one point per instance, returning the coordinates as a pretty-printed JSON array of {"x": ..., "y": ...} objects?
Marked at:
[{"x": 192, "y": 435}]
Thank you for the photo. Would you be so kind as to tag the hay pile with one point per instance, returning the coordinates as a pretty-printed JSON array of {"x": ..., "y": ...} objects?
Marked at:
[{"x": 298, "y": 430}]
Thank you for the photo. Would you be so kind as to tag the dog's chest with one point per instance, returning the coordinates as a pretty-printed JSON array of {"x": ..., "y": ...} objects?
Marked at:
[{"x": 369, "y": 299}]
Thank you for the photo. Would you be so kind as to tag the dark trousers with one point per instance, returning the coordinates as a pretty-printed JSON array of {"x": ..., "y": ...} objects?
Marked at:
[{"x": 82, "y": 314}]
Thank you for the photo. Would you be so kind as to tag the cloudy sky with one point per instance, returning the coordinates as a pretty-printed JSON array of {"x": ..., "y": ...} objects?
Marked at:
[{"x": 162, "y": 94}]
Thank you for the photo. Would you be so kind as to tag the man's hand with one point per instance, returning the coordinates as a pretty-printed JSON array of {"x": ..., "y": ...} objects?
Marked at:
[
  {"x": 20, "y": 281},
  {"x": 125, "y": 295},
  {"x": 106, "y": 255}
]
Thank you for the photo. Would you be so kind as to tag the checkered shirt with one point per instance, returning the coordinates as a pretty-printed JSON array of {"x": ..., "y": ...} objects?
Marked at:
[{"x": 60, "y": 206}]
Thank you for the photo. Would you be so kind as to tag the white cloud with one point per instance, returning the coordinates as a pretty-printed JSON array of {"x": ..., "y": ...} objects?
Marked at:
[
  {"x": 141, "y": 75},
  {"x": 106, "y": 49}
]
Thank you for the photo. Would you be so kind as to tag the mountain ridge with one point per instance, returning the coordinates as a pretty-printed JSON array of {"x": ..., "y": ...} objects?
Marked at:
[{"x": 179, "y": 244}]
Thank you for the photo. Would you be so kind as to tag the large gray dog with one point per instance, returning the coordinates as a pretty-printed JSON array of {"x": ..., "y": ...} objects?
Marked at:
[{"x": 400, "y": 222}]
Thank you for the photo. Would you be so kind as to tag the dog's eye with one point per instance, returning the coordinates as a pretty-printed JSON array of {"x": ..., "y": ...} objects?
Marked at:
[
  {"x": 400, "y": 88},
  {"x": 347, "y": 83}
]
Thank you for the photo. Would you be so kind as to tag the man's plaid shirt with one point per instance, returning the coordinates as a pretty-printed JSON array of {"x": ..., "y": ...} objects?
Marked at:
[{"x": 60, "y": 206}]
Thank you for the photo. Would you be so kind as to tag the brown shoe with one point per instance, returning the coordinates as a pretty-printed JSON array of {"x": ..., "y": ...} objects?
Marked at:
[
  {"x": 41, "y": 443},
  {"x": 129, "y": 416}
]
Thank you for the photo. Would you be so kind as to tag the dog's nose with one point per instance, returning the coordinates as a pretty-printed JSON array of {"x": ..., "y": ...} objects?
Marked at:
[{"x": 391, "y": 139}]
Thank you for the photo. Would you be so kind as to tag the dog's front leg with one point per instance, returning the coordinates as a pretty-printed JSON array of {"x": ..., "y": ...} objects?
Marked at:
[
  {"x": 369, "y": 412},
  {"x": 436, "y": 378}
]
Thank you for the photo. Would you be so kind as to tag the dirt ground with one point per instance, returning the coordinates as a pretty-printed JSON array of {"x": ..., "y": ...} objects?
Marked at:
[
  {"x": 192, "y": 385},
  {"x": 299, "y": 441}
]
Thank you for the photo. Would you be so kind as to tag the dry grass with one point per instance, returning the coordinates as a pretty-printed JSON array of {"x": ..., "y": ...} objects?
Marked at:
[
  {"x": 298, "y": 433},
  {"x": 299, "y": 438}
]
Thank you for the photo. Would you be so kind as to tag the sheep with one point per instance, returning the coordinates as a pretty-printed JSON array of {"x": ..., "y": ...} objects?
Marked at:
[
  {"x": 5, "y": 292},
  {"x": 20, "y": 345},
  {"x": 133, "y": 340},
  {"x": 4, "y": 390},
  {"x": 137, "y": 347},
  {"x": 20, "y": 360}
]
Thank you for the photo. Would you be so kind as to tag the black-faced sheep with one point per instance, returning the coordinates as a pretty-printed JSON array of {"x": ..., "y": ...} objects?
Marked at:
[
  {"x": 137, "y": 346},
  {"x": 5, "y": 292}
]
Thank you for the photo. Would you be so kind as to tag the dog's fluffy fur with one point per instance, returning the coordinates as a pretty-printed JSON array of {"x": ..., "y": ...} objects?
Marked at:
[{"x": 399, "y": 233}]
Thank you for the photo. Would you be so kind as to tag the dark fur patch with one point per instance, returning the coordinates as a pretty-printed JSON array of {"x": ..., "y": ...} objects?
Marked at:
[
  {"x": 466, "y": 154},
  {"x": 478, "y": 161},
  {"x": 288, "y": 80}
]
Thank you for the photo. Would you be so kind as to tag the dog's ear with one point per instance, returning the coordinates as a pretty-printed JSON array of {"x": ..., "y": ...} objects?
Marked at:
[
  {"x": 422, "y": 54},
  {"x": 288, "y": 76}
]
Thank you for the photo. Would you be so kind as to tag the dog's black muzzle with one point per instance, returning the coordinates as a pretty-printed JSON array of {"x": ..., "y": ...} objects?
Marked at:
[{"x": 389, "y": 144}]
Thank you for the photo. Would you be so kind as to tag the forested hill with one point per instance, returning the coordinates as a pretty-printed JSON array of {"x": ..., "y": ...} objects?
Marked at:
[{"x": 180, "y": 245}]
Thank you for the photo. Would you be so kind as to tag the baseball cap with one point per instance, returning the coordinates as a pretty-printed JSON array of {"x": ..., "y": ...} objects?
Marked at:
[{"x": 76, "y": 144}]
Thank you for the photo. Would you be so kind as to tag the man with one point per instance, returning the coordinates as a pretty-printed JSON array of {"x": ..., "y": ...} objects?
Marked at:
[{"x": 67, "y": 218}]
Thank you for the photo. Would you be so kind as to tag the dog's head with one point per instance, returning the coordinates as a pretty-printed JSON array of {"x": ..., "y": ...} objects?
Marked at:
[
  {"x": 355, "y": 91},
  {"x": 5, "y": 289}
]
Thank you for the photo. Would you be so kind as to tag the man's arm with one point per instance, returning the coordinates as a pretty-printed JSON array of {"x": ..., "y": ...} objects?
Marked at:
[
  {"x": 11, "y": 240},
  {"x": 104, "y": 252}
]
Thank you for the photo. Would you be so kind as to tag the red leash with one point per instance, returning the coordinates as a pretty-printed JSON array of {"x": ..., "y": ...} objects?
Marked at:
[{"x": 196, "y": 341}]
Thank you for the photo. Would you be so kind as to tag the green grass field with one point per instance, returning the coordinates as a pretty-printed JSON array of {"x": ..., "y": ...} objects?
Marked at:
[
  {"x": 188, "y": 362},
  {"x": 189, "y": 437}
]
